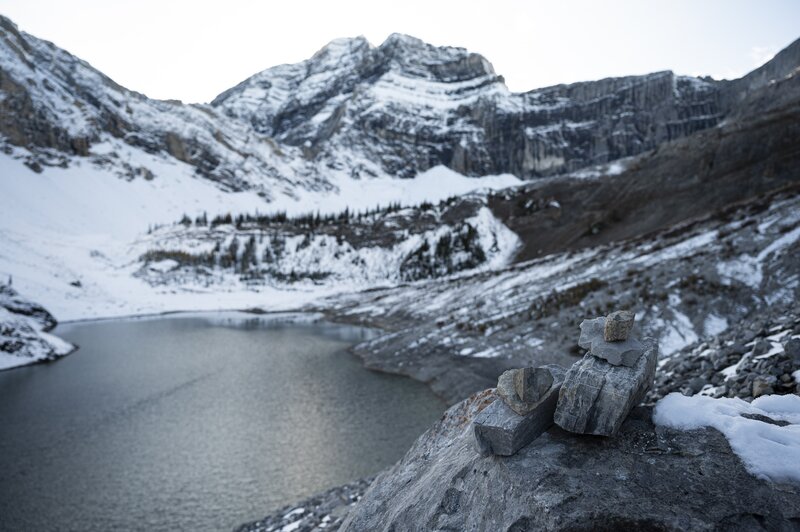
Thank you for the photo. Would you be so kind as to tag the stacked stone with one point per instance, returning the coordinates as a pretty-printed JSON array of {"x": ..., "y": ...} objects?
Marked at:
[
  {"x": 593, "y": 397},
  {"x": 601, "y": 389},
  {"x": 528, "y": 398}
]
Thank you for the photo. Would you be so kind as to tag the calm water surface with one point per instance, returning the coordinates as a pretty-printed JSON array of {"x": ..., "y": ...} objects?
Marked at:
[{"x": 195, "y": 422}]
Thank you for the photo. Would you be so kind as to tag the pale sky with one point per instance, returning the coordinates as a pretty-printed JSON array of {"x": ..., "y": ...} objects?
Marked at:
[{"x": 193, "y": 50}]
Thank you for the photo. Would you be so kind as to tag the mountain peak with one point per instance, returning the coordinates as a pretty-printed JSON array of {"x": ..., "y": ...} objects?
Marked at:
[
  {"x": 417, "y": 58},
  {"x": 342, "y": 46}
]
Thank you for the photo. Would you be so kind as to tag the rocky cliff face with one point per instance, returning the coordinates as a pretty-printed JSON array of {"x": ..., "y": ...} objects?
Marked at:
[
  {"x": 354, "y": 109},
  {"x": 410, "y": 106}
]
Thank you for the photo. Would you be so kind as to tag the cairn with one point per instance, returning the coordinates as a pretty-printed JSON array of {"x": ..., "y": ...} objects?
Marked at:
[{"x": 594, "y": 396}]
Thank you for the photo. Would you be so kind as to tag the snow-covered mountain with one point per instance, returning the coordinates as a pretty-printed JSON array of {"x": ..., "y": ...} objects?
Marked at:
[
  {"x": 352, "y": 110},
  {"x": 88, "y": 166}
]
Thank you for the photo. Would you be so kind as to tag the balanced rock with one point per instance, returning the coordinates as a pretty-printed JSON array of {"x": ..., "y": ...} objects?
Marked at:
[
  {"x": 625, "y": 353},
  {"x": 523, "y": 388},
  {"x": 499, "y": 430},
  {"x": 532, "y": 383},
  {"x": 618, "y": 326},
  {"x": 596, "y": 396}
]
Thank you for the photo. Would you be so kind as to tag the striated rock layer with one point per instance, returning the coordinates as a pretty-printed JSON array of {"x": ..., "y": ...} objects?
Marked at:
[
  {"x": 645, "y": 478},
  {"x": 596, "y": 396}
]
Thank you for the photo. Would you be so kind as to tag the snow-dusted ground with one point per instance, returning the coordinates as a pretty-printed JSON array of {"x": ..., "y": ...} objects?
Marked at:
[
  {"x": 80, "y": 224},
  {"x": 23, "y": 339},
  {"x": 768, "y": 450}
]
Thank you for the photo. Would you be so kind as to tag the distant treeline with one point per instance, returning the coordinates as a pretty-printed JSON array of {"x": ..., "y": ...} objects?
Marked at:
[{"x": 307, "y": 220}]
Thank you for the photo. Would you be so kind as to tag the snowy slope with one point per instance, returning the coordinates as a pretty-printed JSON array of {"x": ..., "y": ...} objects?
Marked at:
[
  {"x": 23, "y": 336},
  {"x": 83, "y": 222}
]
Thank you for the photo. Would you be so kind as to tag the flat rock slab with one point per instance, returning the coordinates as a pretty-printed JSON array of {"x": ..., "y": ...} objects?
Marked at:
[
  {"x": 500, "y": 431},
  {"x": 624, "y": 353},
  {"x": 596, "y": 396}
]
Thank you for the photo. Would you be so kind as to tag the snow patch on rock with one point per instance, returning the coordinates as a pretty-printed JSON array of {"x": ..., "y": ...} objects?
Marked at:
[{"x": 768, "y": 450}]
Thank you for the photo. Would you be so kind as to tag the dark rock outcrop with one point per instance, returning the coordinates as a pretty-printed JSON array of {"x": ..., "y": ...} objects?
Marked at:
[{"x": 646, "y": 477}]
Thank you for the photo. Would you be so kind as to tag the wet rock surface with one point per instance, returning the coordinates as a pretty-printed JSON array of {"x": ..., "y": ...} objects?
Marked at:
[{"x": 561, "y": 481}]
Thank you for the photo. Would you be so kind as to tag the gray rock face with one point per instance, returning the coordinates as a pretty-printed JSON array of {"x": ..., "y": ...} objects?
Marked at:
[
  {"x": 592, "y": 337},
  {"x": 646, "y": 478},
  {"x": 534, "y": 383},
  {"x": 618, "y": 326},
  {"x": 596, "y": 396},
  {"x": 501, "y": 431},
  {"x": 531, "y": 384}
]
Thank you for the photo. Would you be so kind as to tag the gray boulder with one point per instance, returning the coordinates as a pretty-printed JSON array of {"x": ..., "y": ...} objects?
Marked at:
[
  {"x": 596, "y": 396},
  {"x": 618, "y": 326},
  {"x": 647, "y": 478},
  {"x": 624, "y": 353},
  {"x": 501, "y": 431}
]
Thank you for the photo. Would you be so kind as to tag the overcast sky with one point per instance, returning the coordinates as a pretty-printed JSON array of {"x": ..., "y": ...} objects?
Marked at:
[{"x": 193, "y": 50}]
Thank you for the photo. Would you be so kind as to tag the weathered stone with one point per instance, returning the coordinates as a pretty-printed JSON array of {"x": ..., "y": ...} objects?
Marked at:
[
  {"x": 761, "y": 346},
  {"x": 618, "y": 326},
  {"x": 696, "y": 384},
  {"x": 532, "y": 383},
  {"x": 540, "y": 381},
  {"x": 792, "y": 349},
  {"x": 763, "y": 386},
  {"x": 624, "y": 353},
  {"x": 647, "y": 478},
  {"x": 596, "y": 396},
  {"x": 500, "y": 430}
]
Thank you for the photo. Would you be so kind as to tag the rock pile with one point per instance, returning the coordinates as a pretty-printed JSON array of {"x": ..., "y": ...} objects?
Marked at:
[
  {"x": 593, "y": 397},
  {"x": 759, "y": 356},
  {"x": 529, "y": 397}
]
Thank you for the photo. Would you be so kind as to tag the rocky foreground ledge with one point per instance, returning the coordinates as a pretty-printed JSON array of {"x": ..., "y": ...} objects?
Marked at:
[{"x": 646, "y": 477}]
